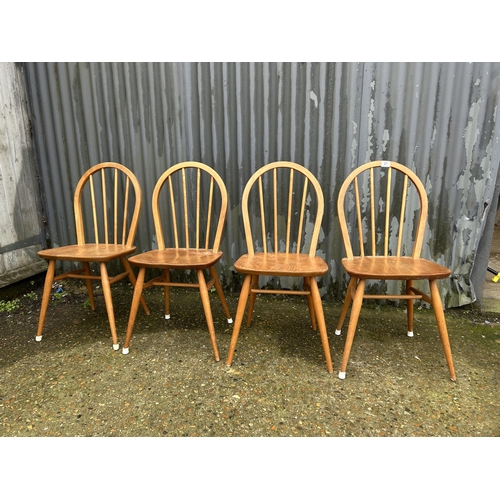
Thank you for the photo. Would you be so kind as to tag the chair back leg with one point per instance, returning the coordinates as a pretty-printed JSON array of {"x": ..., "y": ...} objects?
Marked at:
[
  {"x": 410, "y": 305},
  {"x": 90, "y": 289},
  {"x": 220, "y": 293}
]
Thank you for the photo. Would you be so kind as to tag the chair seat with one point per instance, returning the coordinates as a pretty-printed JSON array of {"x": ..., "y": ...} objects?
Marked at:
[
  {"x": 281, "y": 264},
  {"x": 394, "y": 268},
  {"x": 177, "y": 258},
  {"x": 90, "y": 252}
]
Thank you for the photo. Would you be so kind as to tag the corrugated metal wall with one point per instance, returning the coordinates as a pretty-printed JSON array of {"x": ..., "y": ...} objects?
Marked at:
[
  {"x": 437, "y": 118},
  {"x": 20, "y": 207}
]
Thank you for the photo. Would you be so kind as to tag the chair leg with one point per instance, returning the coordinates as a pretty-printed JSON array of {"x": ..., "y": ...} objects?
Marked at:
[
  {"x": 133, "y": 308},
  {"x": 106, "y": 289},
  {"x": 166, "y": 293},
  {"x": 90, "y": 290},
  {"x": 310, "y": 303},
  {"x": 131, "y": 277},
  {"x": 242, "y": 301},
  {"x": 205, "y": 299},
  {"x": 353, "y": 322},
  {"x": 409, "y": 307},
  {"x": 345, "y": 307},
  {"x": 437, "y": 305},
  {"x": 251, "y": 303},
  {"x": 47, "y": 288},
  {"x": 220, "y": 293},
  {"x": 318, "y": 309}
]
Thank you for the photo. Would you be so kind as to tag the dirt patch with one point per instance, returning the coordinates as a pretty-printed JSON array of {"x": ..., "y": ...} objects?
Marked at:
[{"x": 72, "y": 383}]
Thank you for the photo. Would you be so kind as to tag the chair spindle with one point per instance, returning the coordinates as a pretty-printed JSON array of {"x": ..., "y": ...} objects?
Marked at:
[
  {"x": 209, "y": 212},
  {"x": 387, "y": 211},
  {"x": 402, "y": 216},
  {"x": 94, "y": 212},
  {"x": 262, "y": 216},
  {"x": 104, "y": 207}
]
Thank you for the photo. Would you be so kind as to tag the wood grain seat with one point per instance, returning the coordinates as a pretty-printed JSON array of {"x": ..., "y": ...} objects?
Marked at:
[
  {"x": 90, "y": 252},
  {"x": 394, "y": 268},
  {"x": 281, "y": 264},
  {"x": 177, "y": 258}
]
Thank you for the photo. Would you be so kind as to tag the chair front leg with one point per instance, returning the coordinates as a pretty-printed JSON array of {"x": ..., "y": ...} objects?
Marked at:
[
  {"x": 242, "y": 301},
  {"x": 353, "y": 322},
  {"x": 131, "y": 277},
  {"x": 47, "y": 288},
  {"x": 133, "y": 308},
  {"x": 437, "y": 305},
  {"x": 318, "y": 309},
  {"x": 106, "y": 289},
  {"x": 205, "y": 300}
]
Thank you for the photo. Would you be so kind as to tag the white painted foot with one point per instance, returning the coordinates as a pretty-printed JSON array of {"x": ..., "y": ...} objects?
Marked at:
[
  {"x": 125, "y": 350},
  {"x": 38, "y": 338},
  {"x": 410, "y": 334},
  {"x": 341, "y": 375},
  {"x": 116, "y": 347},
  {"x": 167, "y": 316},
  {"x": 230, "y": 320},
  {"x": 338, "y": 332}
]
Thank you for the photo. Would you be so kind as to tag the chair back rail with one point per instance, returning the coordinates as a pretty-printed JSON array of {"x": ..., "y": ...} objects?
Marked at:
[
  {"x": 104, "y": 191},
  {"x": 194, "y": 207},
  {"x": 282, "y": 194},
  {"x": 385, "y": 216}
]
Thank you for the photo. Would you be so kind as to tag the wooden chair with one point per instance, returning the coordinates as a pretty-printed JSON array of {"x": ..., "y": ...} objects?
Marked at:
[
  {"x": 287, "y": 203},
  {"x": 385, "y": 216},
  {"x": 195, "y": 201},
  {"x": 112, "y": 194}
]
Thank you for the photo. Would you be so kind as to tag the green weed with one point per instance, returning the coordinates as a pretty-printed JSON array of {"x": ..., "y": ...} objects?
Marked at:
[{"x": 9, "y": 305}]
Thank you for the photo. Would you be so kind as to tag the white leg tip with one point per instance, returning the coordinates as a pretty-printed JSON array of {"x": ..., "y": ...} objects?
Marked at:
[
  {"x": 125, "y": 350},
  {"x": 338, "y": 332},
  {"x": 229, "y": 320},
  {"x": 167, "y": 316},
  {"x": 410, "y": 334},
  {"x": 341, "y": 375},
  {"x": 38, "y": 338},
  {"x": 116, "y": 347}
]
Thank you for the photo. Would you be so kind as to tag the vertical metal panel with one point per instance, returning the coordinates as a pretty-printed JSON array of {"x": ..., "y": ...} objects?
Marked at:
[
  {"x": 20, "y": 217},
  {"x": 437, "y": 118}
]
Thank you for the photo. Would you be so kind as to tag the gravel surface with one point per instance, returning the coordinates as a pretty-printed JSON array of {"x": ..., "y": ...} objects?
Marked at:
[{"x": 72, "y": 383}]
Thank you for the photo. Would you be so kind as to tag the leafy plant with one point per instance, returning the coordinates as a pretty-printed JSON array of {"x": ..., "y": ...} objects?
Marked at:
[{"x": 9, "y": 305}]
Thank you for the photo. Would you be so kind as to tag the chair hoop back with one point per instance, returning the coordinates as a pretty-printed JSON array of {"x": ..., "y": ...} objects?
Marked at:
[
  {"x": 382, "y": 211},
  {"x": 289, "y": 212},
  {"x": 107, "y": 204},
  {"x": 189, "y": 207}
]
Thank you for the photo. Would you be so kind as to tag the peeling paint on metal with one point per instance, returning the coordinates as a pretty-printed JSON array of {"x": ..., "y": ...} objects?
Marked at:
[{"x": 437, "y": 118}]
